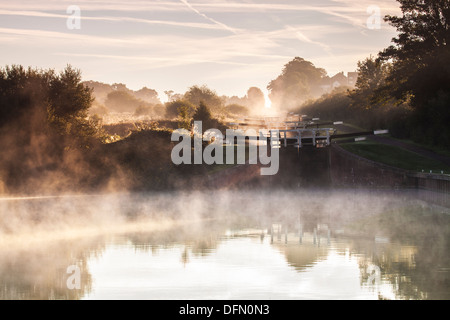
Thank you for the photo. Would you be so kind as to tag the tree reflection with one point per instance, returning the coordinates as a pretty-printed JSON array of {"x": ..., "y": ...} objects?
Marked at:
[
  {"x": 416, "y": 258},
  {"x": 40, "y": 272}
]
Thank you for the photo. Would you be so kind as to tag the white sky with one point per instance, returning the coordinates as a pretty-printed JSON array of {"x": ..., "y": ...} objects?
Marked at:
[
  {"x": 238, "y": 269},
  {"x": 174, "y": 44}
]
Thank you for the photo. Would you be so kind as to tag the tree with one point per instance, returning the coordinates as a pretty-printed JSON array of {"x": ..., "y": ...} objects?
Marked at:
[
  {"x": 49, "y": 103},
  {"x": 197, "y": 94},
  {"x": 122, "y": 101},
  {"x": 22, "y": 93},
  {"x": 99, "y": 90},
  {"x": 420, "y": 70},
  {"x": 299, "y": 81},
  {"x": 172, "y": 108},
  {"x": 184, "y": 118},
  {"x": 169, "y": 94},
  {"x": 68, "y": 103},
  {"x": 147, "y": 95},
  {"x": 372, "y": 74},
  {"x": 420, "y": 52},
  {"x": 202, "y": 113},
  {"x": 255, "y": 98},
  {"x": 43, "y": 120}
]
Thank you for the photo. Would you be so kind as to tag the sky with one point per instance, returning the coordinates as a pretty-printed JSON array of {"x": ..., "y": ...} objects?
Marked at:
[{"x": 229, "y": 46}]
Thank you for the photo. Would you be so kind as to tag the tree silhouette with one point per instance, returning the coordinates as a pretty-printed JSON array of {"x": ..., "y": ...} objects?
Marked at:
[
  {"x": 204, "y": 115},
  {"x": 420, "y": 70},
  {"x": 43, "y": 102},
  {"x": 172, "y": 108},
  {"x": 197, "y": 94},
  {"x": 299, "y": 81},
  {"x": 43, "y": 122},
  {"x": 255, "y": 98},
  {"x": 420, "y": 52},
  {"x": 372, "y": 74}
]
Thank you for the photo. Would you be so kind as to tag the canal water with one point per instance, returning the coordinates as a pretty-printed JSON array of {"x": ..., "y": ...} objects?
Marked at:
[{"x": 284, "y": 244}]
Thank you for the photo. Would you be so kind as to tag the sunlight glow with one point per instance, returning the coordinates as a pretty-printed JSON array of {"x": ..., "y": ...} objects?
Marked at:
[
  {"x": 163, "y": 97},
  {"x": 268, "y": 103}
]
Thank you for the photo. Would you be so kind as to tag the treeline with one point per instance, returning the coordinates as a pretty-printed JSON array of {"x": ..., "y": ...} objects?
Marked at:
[
  {"x": 117, "y": 98},
  {"x": 220, "y": 106},
  {"x": 50, "y": 143},
  {"x": 406, "y": 87},
  {"x": 44, "y": 128}
]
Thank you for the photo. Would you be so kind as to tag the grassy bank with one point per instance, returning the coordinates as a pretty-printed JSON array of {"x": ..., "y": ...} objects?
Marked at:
[
  {"x": 395, "y": 157},
  {"x": 436, "y": 149}
]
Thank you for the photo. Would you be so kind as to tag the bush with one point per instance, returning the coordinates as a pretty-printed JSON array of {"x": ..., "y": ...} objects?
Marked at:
[{"x": 172, "y": 108}]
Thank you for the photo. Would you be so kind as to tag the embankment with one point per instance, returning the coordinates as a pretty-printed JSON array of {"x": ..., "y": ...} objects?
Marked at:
[{"x": 350, "y": 170}]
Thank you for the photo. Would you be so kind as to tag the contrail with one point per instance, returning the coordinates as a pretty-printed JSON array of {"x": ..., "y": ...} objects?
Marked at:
[{"x": 208, "y": 18}]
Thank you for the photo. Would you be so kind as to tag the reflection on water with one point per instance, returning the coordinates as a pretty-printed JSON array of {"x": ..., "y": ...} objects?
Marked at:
[{"x": 226, "y": 245}]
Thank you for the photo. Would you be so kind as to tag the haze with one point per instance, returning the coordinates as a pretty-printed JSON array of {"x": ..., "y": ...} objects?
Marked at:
[{"x": 172, "y": 45}]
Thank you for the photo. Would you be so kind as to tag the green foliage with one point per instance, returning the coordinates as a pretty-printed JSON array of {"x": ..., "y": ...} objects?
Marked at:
[
  {"x": 48, "y": 103},
  {"x": 372, "y": 74},
  {"x": 407, "y": 88},
  {"x": 20, "y": 88},
  {"x": 184, "y": 119},
  {"x": 333, "y": 106},
  {"x": 395, "y": 156},
  {"x": 420, "y": 72},
  {"x": 68, "y": 96},
  {"x": 420, "y": 47},
  {"x": 341, "y": 106},
  {"x": 44, "y": 123},
  {"x": 431, "y": 121}
]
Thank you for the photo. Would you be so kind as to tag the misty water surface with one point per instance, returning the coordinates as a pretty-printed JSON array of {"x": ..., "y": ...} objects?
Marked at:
[{"x": 298, "y": 244}]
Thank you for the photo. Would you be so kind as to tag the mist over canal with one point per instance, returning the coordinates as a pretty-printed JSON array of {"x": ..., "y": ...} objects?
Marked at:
[{"x": 260, "y": 244}]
